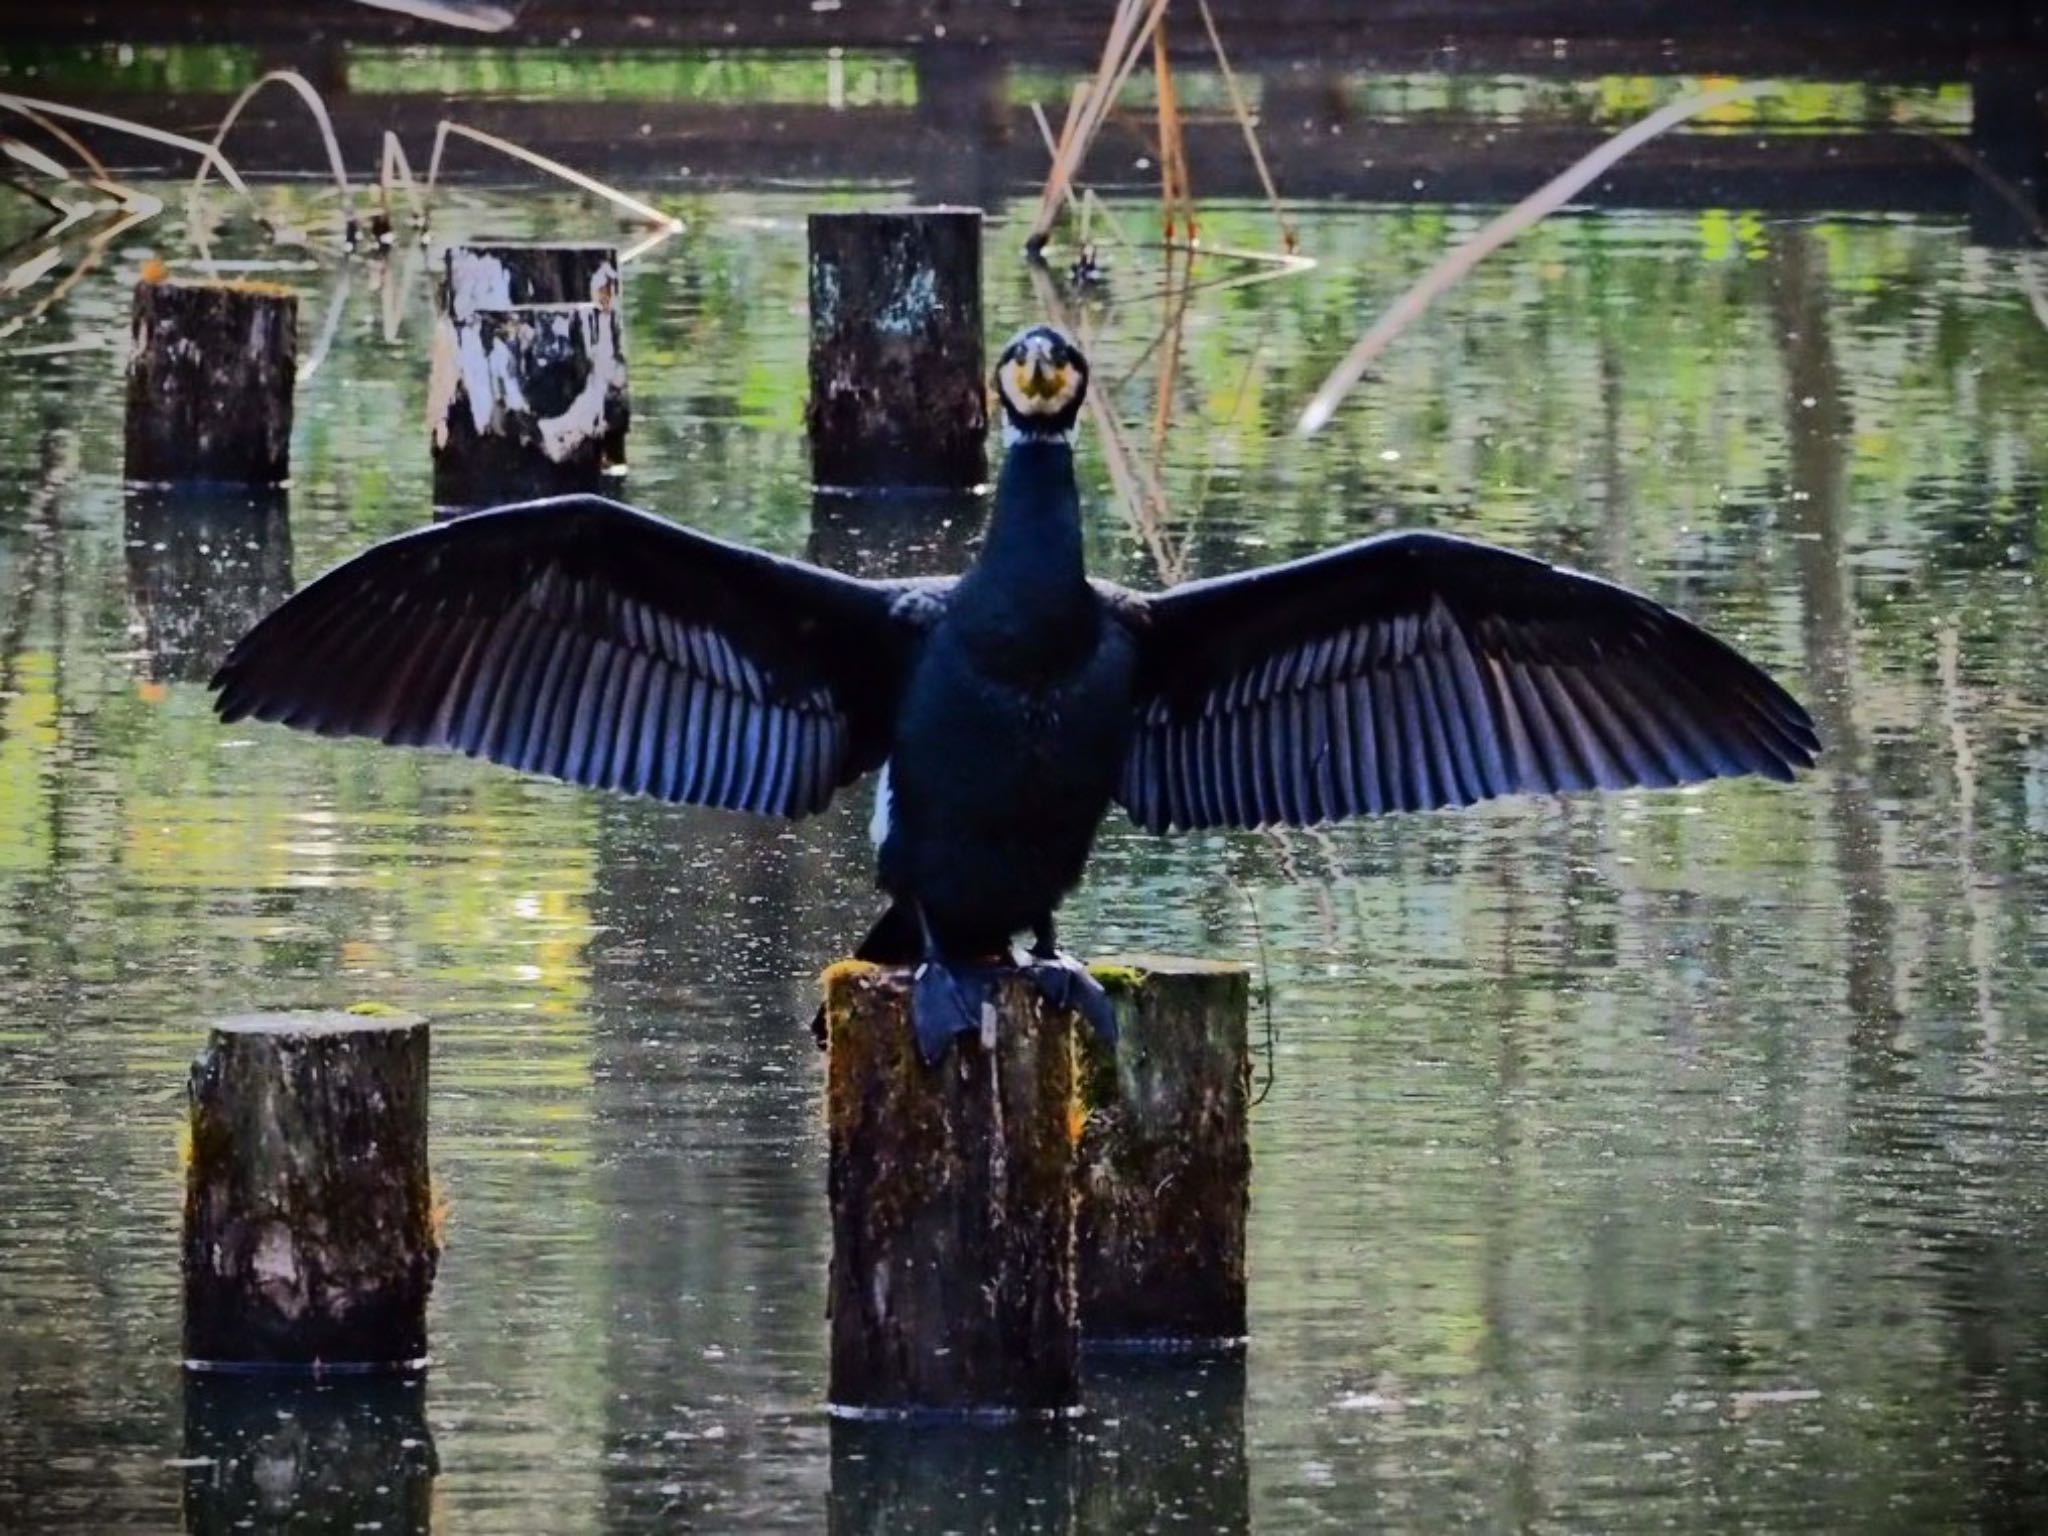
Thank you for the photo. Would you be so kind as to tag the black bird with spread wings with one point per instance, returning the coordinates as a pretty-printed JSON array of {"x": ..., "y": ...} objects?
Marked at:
[{"x": 1007, "y": 708}]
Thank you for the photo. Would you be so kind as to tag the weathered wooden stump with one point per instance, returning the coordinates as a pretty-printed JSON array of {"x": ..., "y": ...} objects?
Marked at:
[
  {"x": 211, "y": 370},
  {"x": 309, "y": 1233},
  {"x": 527, "y": 395},
  {"x": 952, "y": 1194},
  {"x": 899, "y": 389},
  {"x": 1165, "y": 1158},
  {"x": 332, "y": 1453}
]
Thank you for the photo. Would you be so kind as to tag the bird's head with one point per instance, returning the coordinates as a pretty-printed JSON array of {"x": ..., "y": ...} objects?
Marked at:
[{"x": 1041, "y": 379}]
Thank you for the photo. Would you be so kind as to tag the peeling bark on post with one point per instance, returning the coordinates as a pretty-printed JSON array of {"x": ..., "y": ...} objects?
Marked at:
[
  {"x": 952, "y": 1194},
  {"x": 309, "y": 1233},
  {"x": 512, "y": 276},
  {"x": 211, "y": 370},
  {"x": 1165, "y": 1158},
  {"x": 899, "y": 389},
  {"x": 527, "y": 395}
]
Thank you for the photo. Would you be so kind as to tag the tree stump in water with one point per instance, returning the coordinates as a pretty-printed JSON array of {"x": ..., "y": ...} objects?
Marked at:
[
  {"x": 211, "y": 370},
  {"x": 1165, "y": 1158},
  {"x": 309, "y": 1234},
  {"x": 952, "y": 1194},
  {"x": 899, "y": 388},
  {"x": 527, "y": 395}
]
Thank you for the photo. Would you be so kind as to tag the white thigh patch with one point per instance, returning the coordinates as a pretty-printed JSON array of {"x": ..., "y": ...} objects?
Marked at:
[{"x": 878, "y": 823}]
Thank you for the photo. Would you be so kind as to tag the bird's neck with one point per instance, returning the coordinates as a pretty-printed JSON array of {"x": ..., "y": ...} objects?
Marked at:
[{"x": 1029, "y": 587}]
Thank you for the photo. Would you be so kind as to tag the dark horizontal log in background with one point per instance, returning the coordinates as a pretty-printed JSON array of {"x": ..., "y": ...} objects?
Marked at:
[{"x": 966, "y": 141}]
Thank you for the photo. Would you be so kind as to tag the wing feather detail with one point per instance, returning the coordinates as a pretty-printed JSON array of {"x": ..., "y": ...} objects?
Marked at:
[
  {"x": 584, "y": 640},
  {"x": 1415, "y": 671}
]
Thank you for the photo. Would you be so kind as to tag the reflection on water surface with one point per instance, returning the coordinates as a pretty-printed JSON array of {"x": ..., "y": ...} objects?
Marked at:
[{"x": 1663, "y": 1157}]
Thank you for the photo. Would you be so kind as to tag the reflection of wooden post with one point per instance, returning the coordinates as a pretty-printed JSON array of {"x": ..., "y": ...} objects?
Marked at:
[
  {"x": 952, "y": 1194},
  {"x": 323, "y": 1453},
  {"x": 1165, "y": 1439},
  {"x": 308, "y": 1214},
  {"x": 898, "y": 387},
  {"x": 1166, "y": 1157},
  {"x": 891, "y": 1478},
  {"x": 528, "y": 391},
  {"x": 203, "y": 566},
  {"x": 211, "y": 370}
]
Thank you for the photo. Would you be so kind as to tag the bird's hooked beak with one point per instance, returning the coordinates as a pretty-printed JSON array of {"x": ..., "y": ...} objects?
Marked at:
[{"x": 1034, "y": 381}]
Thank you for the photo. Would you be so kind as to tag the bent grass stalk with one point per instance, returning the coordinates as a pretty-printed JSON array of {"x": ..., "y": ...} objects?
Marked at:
[
  {"x": 29, "y": 106},
  {"x": 303, "y": 88},
  {"x": 666, "y": 226},
  {"x": 1531, "y": 210}
]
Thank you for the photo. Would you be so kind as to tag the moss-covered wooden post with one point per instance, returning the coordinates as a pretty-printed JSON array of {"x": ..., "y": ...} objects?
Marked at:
[
  {"x": 527, "y": 394},
  {"x": 1165, "y": 1159},
  {"x": 309, "y": 1229},
  {"x": 899, "y": 388},
  {"x": 952, "y": 1195},
  {"x": 211, "y": 371}
]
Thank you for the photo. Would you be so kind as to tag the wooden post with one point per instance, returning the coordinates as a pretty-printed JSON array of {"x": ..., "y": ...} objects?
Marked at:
[
  {"x": 952, "y": 1194},
  {"x": 1165, "y": 1159},
  {"x": 527, "y": 395},
  {"x": 309, "y": 1232},
  {"x": 327, "y": 1453},
  {"x": 211, "y": 369},
  {"x": 899, "y": 388}
]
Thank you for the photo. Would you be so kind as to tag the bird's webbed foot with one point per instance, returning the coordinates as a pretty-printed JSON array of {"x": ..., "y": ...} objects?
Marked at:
[
  {"x": 1064, "y": 982},
  {"x": 945, "y": 1002}
]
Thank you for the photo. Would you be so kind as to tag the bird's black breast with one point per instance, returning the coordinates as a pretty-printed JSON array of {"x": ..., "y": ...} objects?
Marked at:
[{"x": 999, "y": 775}]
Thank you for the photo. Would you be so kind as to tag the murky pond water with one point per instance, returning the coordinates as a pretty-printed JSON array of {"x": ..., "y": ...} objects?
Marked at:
[{"x": 1650, "y": 1159}]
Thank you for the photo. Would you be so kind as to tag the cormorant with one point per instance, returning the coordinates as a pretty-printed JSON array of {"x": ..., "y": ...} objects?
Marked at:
[{"x": 1009, "y": 707}]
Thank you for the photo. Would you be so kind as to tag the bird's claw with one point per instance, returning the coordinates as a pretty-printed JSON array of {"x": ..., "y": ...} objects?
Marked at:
[
  {"x": 945, "y": 1003},
  {"x": 1064, "y": 982}
]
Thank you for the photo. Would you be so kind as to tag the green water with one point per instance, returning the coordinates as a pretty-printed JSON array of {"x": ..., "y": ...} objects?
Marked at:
[{"x": 1651, "y": 1159}]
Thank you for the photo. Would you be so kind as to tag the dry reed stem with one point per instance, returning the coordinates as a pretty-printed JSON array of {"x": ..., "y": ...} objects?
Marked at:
[
  {"x": 34, "y": 159},
  {"x": 1143, "y": 499},
  {"x": 1175, "y": 191},
  {"x": 67, "y": 138},
  {"x": 28, "y": 106},
  {"x": 2005, "y": 191},
  {"x": 665, "y": 225},
  {"x": 1130, "y": 29},
  {"x": 470, "y": 18},
  {"x": 303, "y": 88},
  {"x": 1290, "y": 236},
  {"x": 1545, "y": 200}
]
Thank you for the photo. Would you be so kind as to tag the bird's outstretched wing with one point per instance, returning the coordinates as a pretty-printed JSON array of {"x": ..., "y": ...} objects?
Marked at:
[
  {"x": 1416, "y": 670},
  {"x": 580, "y": 638}
]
